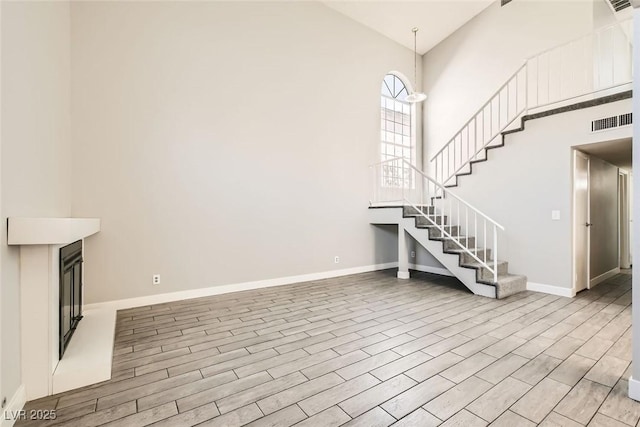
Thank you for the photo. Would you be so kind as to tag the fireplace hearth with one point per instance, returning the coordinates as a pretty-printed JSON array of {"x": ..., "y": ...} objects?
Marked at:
[{"x": 70, "y": 292}]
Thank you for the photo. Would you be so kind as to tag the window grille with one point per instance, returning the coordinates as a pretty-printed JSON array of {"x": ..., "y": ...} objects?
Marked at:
[{"x": 396, "y": 133}]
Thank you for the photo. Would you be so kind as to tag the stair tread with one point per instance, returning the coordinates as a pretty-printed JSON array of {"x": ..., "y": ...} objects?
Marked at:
[
  {"x": 426, "y": 226},
  {"x": 470, "y": 249},
  {"x": 476, "y": 264},
  {"x": 503, "y": 278}
]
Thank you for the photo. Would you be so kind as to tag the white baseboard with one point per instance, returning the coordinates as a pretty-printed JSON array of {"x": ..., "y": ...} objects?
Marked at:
[
  {"x": 551, "y": 289},
  {"x": 429, "y": 269},
  {"x": 601, "y": 278},
  {"x": 245, "y": 286},
  {"x": 634, "y": 388},
  {"x": 12, "y": 411}
]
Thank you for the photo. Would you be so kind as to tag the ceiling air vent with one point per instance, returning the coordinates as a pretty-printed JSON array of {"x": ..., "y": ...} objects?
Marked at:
[
  {"x": 611, "y": 122},
  {"x": 618, "y": 5}
]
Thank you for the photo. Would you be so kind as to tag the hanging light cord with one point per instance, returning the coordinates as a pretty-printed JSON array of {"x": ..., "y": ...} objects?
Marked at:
[
  {"x": 415, "y": 96},
  {"x": 415, "y": 58}
]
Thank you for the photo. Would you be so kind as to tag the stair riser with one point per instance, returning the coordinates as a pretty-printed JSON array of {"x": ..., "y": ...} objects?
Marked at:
[
  {"x": 410, "y": 210},
  {"x": 469, "y": 242},
  {"x": 486, "y": 275},
  {"x": 513, "y": 287},
  {"x": 435, "y": 233},
  {"x": 440, "y": 220},
  {"x": 467, "y": 259}
]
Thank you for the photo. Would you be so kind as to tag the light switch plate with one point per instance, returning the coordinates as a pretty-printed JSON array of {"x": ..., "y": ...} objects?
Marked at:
[{"x": 555, "y": 215}]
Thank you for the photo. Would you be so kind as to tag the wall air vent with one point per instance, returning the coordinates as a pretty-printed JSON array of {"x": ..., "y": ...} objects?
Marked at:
[
  {"x": 611, "y": 122},
  {"x": 625, "y": 119},
  {"x": 618, "y": 5}
]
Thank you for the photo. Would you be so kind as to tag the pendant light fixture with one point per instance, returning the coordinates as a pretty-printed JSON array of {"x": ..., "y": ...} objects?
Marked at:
[{"x": 415, "y": 97}]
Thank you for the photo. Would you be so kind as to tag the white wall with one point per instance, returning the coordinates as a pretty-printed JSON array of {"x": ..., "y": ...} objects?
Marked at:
[
  {"x": 530, "y": 176},
  {"x": 603, "y": 201},
  {"x": 634, "y": 384},
  {"x": 2, "y": 395},
  {"x": 424, "y": 257},
  {"x": 224, "y": 142},
  {"x": 602, "y": 14},
  {"x": 467, "y": 68},
  {"x": 35, "y": 154}
]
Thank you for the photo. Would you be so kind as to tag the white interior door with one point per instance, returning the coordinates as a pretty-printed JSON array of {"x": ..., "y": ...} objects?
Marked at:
[
  {"x": 623, "y": 226},
  {"x": 630, "y": 222},
  {"x": 624, "y": 223},
  {"x": 581, "y": 223}
]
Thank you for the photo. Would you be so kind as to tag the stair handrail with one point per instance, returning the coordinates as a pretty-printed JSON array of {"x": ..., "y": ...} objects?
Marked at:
[
  {"x": 452, "y": 157},
  {"x": 483, "y": 106},
  {"x": 442, "y": 193},
  {"x": 497, "y": 96},
  {"x": 440, "y": 187}
]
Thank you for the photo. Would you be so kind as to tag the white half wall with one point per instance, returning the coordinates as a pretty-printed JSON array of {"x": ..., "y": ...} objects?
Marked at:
[
  {"x": 224, "y": 142},
  {"x": 36, "y": 151},
  {"x": 467, "y": 68},
  {"x": 531, "y": 176}
]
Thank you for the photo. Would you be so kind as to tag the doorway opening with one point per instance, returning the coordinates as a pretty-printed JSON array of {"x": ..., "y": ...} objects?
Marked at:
[{"x": 601, "y": 211}]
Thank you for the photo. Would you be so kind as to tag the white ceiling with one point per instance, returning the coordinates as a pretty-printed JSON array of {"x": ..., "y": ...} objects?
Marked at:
[
  {"x": 435, "y": 19},
  {"x": 617, "y": 152}
]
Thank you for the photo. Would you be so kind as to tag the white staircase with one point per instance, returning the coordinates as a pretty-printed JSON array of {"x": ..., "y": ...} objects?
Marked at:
[
  {"x": 596, "y": 65},
  {"x": 467, "y": 242},
  {"x": 459, "y": 236}
]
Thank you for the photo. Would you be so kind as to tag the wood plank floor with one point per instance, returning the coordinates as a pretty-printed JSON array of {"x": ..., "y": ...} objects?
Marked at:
[{"x": 366, "y": 350}]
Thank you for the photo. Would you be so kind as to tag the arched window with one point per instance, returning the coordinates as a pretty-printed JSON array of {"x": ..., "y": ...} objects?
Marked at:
[{"x": 396, "y": 136}]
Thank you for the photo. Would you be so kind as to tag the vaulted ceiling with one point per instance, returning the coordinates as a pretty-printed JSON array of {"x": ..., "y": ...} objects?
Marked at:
[{"x": 436, "y": 19}]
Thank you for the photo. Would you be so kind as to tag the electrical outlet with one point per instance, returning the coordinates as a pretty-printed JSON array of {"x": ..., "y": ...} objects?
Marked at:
[
  {"x": 156, "y": 279},
  {"x": 336, "y": 259},
  {"x": 413, "y": 254}
]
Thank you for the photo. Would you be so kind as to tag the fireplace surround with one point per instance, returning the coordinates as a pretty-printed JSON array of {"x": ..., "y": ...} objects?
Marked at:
[
  {"x": 43, "y": 372},
  {"x": 70, "y": 293}
]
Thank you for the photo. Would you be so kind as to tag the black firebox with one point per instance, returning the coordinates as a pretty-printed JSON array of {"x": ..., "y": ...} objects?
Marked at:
[{"x": 70, "y": 292}]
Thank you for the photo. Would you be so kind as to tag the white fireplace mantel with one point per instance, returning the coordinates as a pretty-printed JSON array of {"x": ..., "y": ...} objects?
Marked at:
[
  {"x": 50, "y": 231},
  {"x": 40, "y": 240}
]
